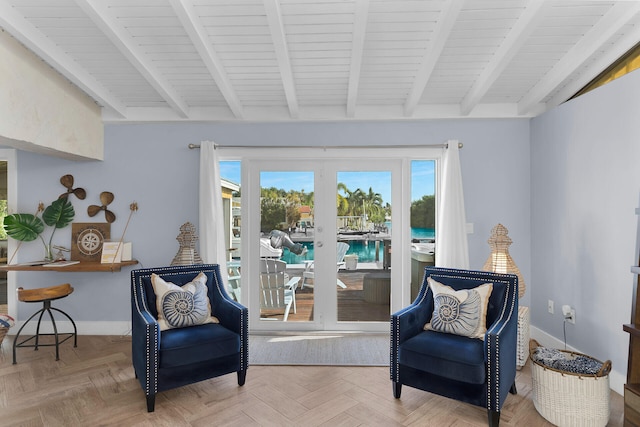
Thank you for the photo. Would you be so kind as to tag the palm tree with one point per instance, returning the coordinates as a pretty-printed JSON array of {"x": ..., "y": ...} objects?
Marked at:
[
  {"x": 342, "y": 203},
  {"x": 372, "y": 202}
]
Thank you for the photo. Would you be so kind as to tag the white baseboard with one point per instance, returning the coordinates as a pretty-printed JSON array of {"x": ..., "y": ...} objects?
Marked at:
[
  {"x": 616, "y": 379},
  {"x": 84, "y": 328}
]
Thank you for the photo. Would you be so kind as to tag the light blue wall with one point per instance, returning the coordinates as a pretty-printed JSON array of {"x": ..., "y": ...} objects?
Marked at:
[
  {"x": 585, "y": 188},
  {"x": 151, "y": 164}
]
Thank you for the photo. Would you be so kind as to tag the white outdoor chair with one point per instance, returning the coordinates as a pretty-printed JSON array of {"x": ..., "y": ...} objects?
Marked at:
[
  {"x": 233, "y": 269},
  {"x": 276, "y": 290},
  {"x": 341, "y": 251}
]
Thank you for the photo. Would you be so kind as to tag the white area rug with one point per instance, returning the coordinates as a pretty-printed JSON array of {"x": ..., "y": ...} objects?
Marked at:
[{"x": 335, "y": 350}]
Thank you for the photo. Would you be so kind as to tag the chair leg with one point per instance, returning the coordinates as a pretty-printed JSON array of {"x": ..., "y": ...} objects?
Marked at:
[
  {"x": 286, "y": 312},
  {"x": 397, "y": 389},
  {"x": 75, "y": 329},
  {"x": 44, "y": 309},
  {"x": 494, "y": 418},
  {"x": 151, "y": 402},
  {"x": 55, "y": 332},
  {"x": 242, "y": 376},
  {"x": 15, "y": 339},
  {"x": 513, "y": 389}
]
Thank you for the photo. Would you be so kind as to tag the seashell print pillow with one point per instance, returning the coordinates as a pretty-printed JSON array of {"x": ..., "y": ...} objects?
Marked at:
[
  {"x": 462, "y": 312},
  {"x": 182, "y": 306}
]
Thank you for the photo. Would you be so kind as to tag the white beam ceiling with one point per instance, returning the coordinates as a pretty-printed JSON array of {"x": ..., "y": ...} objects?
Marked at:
[
  {"x": 98, "y": 11},
  {"x": 42, "y": 46},
  {"x": 285, "y": 60},
  {"x": 279, "y": 38},
  {"x": 198, "y": 35}
]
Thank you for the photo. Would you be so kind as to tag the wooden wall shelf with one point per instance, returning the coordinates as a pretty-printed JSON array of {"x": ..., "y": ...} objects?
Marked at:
[{"x": 80, "y": 267}]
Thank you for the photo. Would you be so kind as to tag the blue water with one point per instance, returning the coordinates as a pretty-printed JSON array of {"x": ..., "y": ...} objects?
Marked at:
[
  {"x": 365, "y": 249},
  {"x": 423, "y": 233}
]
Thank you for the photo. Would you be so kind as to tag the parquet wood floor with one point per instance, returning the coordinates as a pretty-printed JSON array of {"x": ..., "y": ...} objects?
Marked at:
[{"x": 94, "y": 384}]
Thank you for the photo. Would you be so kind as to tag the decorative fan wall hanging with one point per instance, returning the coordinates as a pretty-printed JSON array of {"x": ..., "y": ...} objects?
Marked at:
[
  {"x": 67, "y": 182},
  {"x": 105, "y": 198}
]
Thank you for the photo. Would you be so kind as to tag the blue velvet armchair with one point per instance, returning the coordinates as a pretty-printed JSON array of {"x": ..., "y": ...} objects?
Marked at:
[
  {"x": 472, "y": 370},
  {"x": 172, "y": 358}
]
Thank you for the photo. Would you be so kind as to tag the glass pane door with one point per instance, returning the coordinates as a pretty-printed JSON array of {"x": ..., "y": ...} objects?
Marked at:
[
  {"x": 286, "y": 263},
  {"x": 363, "y": 242},
  {"x": 319, "y": 245}
]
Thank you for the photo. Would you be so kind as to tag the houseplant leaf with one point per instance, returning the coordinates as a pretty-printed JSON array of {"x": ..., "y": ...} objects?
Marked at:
[
  {"x": 23, "y": 227},
  {"x": 59, "y": 213}
]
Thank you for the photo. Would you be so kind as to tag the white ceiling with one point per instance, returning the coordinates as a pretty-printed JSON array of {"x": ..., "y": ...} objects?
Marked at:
[{"x": 287, "y": 60}]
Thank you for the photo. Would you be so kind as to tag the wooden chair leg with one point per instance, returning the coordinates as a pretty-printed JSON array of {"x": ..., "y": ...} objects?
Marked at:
[
  {"x": 513, "y": 389},
  {"x": 242, "y": 376},
  {"x": 151, "y": 402},
  {"x": 494, "y": 418},
  {"x": 397, "y": 389}
]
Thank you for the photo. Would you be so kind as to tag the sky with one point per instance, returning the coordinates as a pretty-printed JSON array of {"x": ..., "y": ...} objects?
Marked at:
[{"x": 422, "y": 179}]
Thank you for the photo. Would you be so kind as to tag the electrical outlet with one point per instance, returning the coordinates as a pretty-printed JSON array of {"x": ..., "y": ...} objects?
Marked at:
[
  {"x": 550, "y": 306},
  {"x": 569, "y": 314}
]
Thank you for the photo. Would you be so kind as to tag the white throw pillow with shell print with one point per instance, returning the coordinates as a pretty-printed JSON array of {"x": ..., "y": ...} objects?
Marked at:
[{"x": 182, "y": 306}]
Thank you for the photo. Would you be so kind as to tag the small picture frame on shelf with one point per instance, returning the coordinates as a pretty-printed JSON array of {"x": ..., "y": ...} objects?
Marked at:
[{"x": 111, "y": 252}]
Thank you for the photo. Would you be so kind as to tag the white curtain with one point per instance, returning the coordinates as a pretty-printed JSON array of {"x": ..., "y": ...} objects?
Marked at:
[
  {"x": 212, "y": 247},
  {"x": 452, "y": 249}
]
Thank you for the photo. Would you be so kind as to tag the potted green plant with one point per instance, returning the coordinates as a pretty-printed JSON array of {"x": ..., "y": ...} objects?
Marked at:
[{"x": 28, "y": 227}]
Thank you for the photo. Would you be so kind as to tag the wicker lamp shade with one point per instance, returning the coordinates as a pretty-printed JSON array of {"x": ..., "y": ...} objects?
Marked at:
[{"x": 500, "y": 261}]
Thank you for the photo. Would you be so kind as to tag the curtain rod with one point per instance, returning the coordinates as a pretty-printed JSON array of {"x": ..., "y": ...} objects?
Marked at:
[{"x": 445, "y": 145}]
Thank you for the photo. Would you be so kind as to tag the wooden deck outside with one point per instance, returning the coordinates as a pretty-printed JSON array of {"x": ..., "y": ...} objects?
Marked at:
[{"x": 351, "y": 304}]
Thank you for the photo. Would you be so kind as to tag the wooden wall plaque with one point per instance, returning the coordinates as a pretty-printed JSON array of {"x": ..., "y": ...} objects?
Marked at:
[{"x": 87, "y": 239}]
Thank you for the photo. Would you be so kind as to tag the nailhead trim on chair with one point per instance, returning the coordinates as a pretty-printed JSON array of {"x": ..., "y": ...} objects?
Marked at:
[
  {"x": 397, "y": 338},
  {"x": 491, "y": 405},
  {"x": 244, "y": 354},
  {"x": 153, "y": 340},
  {"x": 137, "y": 289}
]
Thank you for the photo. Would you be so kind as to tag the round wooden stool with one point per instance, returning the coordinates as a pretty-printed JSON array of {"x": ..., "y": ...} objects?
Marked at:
[{"x": 45, "y": 296}]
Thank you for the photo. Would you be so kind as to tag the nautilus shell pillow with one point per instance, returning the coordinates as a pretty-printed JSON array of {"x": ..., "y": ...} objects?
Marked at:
[
  {"x": 462, "y": 312},
  {"x": 182, "y": 306}
]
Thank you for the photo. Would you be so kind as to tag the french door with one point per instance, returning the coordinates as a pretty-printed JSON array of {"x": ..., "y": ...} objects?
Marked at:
[{"x": 338, "y": 272}]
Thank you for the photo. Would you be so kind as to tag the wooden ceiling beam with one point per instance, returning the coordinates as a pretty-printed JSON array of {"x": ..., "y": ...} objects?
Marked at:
[
  {"x": 99, "y": 14},
  {"x": 33, "y": 39},
  {"x": 593, "y": 41},
  {"x": 357, "y": 49},
  {"x": 279, "y": 38},
  {"x": 517, "y": 36},
  {"x": 447, "y": 20},
  {"x": 198, "y": 35}
]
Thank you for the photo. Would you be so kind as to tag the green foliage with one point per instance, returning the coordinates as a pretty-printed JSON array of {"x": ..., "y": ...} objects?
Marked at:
[
  {"x": 29, "y": 227},
  {"x": 272, "y": 214},
  {"x": 358, "y": 203},
  {"x": 280, "y": 208},
  {"x": 3, "y": 213},
  {"x": 292, "y": 214},
  {"x": 423, "y": 212},
  {"x": 23, "y": 227},
  {"x": 59, "y": 214}
]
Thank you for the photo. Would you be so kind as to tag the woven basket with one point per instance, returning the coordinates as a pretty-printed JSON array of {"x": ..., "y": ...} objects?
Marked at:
[
  {"x": 568, "y": 399},
  {"x": 3, "y": 333}
]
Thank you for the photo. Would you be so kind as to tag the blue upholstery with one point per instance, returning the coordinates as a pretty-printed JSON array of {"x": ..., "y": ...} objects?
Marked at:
[
  {"x": 163, "y": 360},
  {"x": 467, "y": 369}
]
